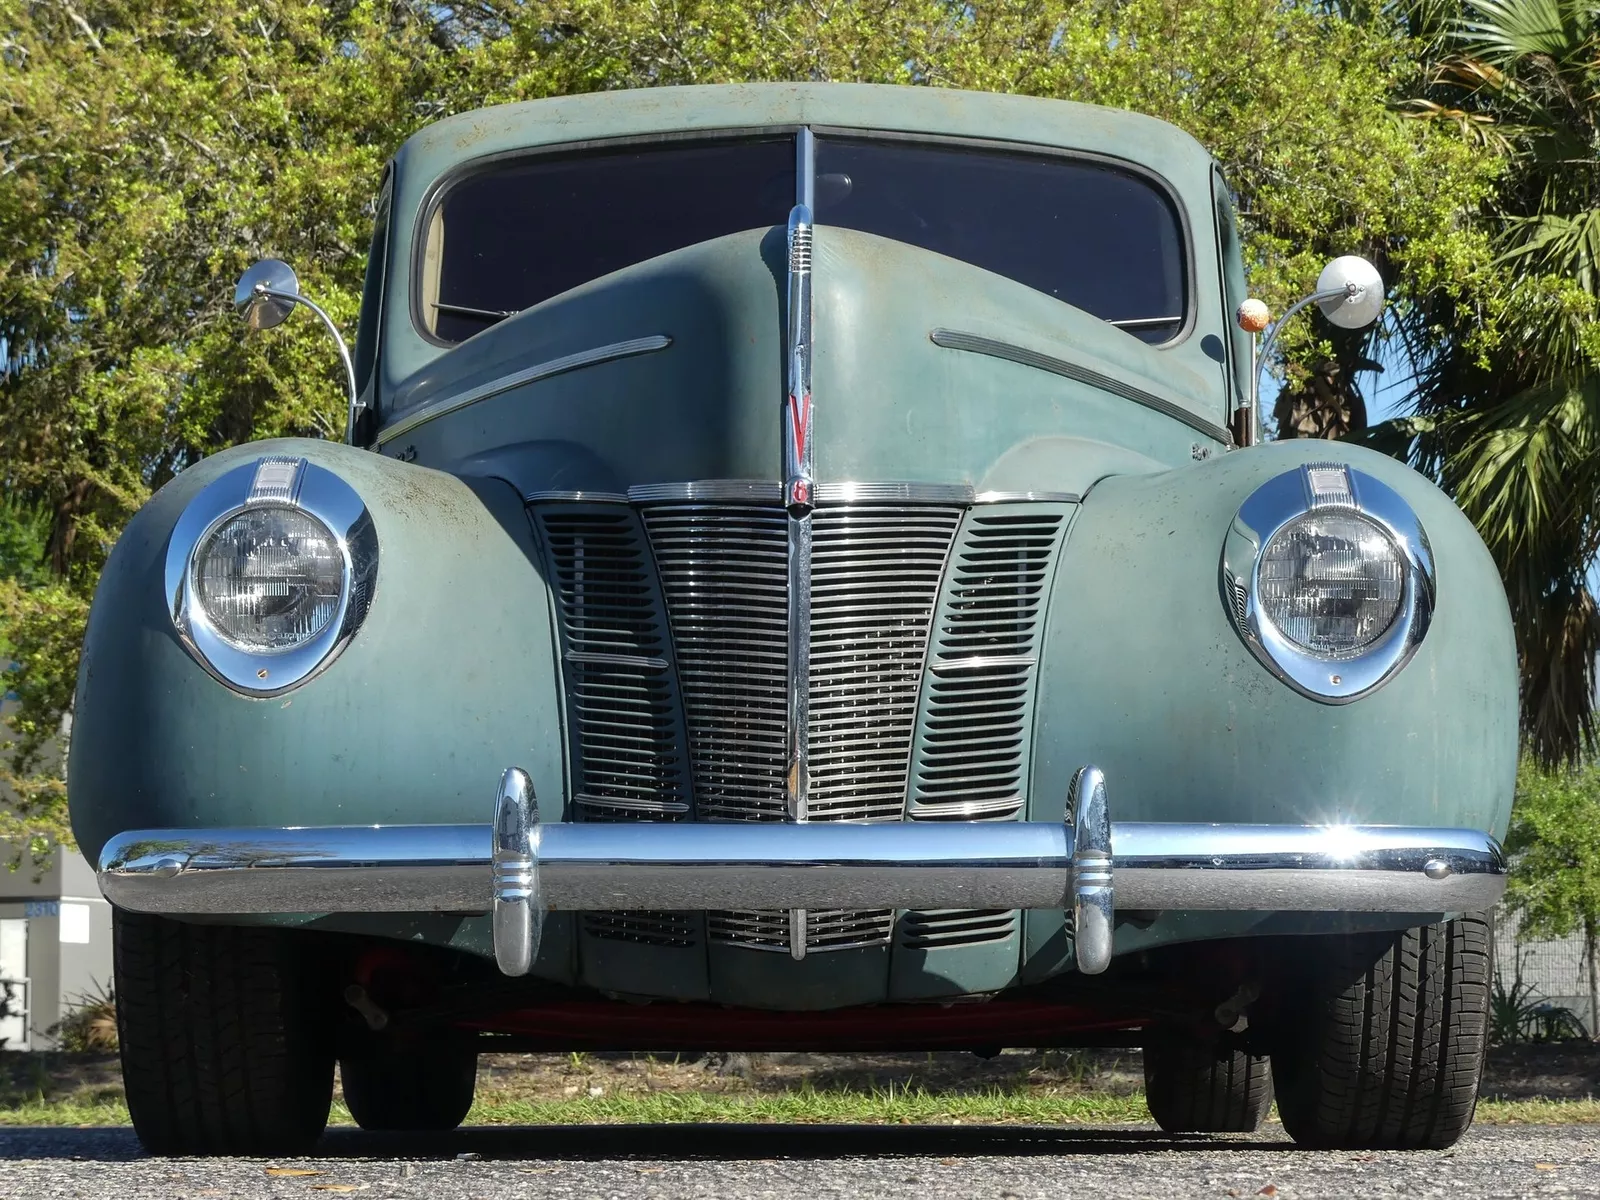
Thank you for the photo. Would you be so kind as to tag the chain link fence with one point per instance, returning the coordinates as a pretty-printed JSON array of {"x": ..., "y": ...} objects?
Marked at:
[{"x": 1556, "y": 970}]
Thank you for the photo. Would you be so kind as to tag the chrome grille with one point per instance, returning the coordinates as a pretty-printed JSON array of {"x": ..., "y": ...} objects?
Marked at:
[
  {"x": 971, "y": 753},
  {"x": 723, "y": 570},
  {"x": 627, "y": 736},
  {"x": 644, "y": 928},
  {"x": 875, "y": 581},
  {"x": 826, "y": 929},
  {"x": 934, "y": 929}
]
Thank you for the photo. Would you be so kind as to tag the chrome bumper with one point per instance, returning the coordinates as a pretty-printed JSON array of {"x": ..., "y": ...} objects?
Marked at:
[{"x": 520, "y": 869}]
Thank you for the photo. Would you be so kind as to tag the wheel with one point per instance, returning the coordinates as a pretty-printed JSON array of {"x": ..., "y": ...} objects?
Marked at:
[
  {"x": 1195, "y": 1085},
  {"x": 415, "y": 1085},
  {"x": 225, "y": 1045},
  {"x": 1387, "y": 1049}
]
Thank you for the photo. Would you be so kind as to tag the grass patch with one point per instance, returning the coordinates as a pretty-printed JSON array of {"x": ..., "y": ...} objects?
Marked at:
[
  {"x": 802, "y": 1105},
  {"x": 1539, "y": 1112},
  {"x": 65, "y": 1113},
  {"x": 805, "y": 1106}
]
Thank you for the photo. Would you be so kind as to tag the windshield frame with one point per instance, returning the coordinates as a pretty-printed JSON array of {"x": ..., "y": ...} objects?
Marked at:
[{"x": 439, "y": 190}]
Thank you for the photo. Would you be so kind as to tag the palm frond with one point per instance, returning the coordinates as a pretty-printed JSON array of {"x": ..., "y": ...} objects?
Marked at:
[
  {"x": 1558, "y": 244},
  {"x": 1506, "y": 30}
]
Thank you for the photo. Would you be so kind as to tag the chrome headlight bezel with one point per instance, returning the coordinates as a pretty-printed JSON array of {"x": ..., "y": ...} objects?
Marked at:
[
  {"x": 1327, "y": 488},
  {"x": 275, "y": 481}
]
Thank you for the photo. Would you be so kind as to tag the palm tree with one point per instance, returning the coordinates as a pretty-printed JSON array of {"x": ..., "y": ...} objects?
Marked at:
[{"x": 1508, "y": 364}]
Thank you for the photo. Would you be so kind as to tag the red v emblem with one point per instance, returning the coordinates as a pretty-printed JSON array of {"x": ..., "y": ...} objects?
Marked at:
[{"x": 800, "y": 424}]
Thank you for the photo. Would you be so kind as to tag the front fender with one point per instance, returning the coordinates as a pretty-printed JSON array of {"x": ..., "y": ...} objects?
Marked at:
[
  {"x": 451, "y": 678},
  {"x": 1144, "y": 674}
]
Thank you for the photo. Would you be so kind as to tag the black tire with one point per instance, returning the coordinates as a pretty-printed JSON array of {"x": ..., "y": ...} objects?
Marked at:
[
  {"x": 225, "y": 1046},
  {"x": 415, "y": 1086},
  {"x": 1388, "y": 1048},
  {"x": 1195, "y": 1085}
]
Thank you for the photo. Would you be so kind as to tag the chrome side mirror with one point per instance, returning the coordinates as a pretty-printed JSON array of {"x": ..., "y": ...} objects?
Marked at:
[
  {"x": 265, "y": 296},
  {"x": 1350, "y": 294},
  {"x": 1351, "y": 291}
]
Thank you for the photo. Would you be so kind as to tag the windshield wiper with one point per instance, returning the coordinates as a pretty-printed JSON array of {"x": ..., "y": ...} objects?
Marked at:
[{"x": 483, "y": 314}]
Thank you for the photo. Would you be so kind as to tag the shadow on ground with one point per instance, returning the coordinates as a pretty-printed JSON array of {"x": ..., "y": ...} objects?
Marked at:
[{"x": 674, "y": 1143}]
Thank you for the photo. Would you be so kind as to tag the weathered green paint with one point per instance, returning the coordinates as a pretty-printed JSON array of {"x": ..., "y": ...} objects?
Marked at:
[
  {"x": 1145, "y": 677},
  {"x": 936, "y": 112},
  {"x": 890, "y": 403},
  {"x": 456, "y": 673}
]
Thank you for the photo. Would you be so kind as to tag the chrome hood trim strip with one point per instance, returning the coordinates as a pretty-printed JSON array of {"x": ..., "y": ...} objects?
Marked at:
[{"x": 952, "y": 339}]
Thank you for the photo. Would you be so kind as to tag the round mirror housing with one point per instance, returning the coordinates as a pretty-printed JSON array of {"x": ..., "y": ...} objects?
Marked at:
[
  {"x": 1362, "y": 286},
  {"x": 266, "y": 292}
]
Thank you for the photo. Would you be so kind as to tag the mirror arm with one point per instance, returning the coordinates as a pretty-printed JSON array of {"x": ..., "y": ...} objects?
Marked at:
[
  {"x": 1347, "y": 292},
  {"x": 355, "y": 405}
]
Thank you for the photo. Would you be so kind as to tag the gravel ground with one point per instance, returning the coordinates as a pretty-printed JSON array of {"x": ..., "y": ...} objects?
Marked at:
[{"x": 790, "y": 1162}]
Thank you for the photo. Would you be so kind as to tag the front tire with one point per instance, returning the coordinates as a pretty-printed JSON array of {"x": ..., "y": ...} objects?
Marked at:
[
  {"x": 1385, "y": 1048},
  {"x": 225, "y": 1046},
  {"x": 423, "y": 1085},
  {"x": 1196, "y": 1085}
]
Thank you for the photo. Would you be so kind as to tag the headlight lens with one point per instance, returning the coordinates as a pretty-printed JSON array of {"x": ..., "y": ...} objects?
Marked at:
[
  {"x": 1332, "y": 582},
  {"x": 270, "y": 578}
]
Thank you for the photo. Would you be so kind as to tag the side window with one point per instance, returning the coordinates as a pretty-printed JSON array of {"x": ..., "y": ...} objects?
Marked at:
[
  {"x": 1233, "y": 288},
  {"x": 366, "y": 355}
]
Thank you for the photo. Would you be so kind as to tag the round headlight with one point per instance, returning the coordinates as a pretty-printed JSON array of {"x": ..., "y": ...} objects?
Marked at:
[
  {"x": 270, "y": 578},
  {"x": 1332, "y": 582}
]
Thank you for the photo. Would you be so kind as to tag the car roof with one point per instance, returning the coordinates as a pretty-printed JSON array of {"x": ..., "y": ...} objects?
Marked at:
[{"x": 1027, "y": 120}]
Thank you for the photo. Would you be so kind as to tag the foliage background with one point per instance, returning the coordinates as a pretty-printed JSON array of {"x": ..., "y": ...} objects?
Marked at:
[{"x": 151, "y": 149}]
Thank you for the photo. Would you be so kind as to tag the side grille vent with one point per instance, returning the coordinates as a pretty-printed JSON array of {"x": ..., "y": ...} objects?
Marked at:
[
  {"x": 628, "y": 745},
  {"x": 936, "y": 928},
  {"x": 971, "y": 756},
  {"x": 644, "y": 928}
]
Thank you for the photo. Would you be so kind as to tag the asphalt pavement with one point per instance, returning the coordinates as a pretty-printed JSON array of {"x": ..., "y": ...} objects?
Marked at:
[{"x": 751, "y": 1162}]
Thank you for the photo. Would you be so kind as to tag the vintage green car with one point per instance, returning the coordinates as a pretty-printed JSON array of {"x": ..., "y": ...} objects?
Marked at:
[{"x": 802, "y": 576}]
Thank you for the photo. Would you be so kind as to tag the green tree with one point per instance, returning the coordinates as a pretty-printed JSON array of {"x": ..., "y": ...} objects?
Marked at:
[
  {"x": 1508, "y": 381},
  {"x": 1554, "y": 844},
  {"x": 149, "y": 149}
]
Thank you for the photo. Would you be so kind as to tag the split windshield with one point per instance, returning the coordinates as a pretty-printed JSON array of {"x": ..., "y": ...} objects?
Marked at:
[{"x": 503, "y": 239}]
